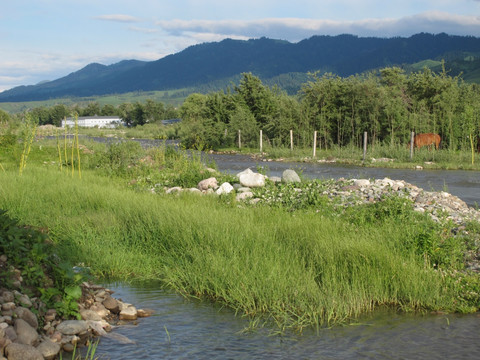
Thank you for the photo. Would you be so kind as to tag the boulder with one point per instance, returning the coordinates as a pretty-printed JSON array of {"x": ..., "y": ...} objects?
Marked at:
[
  {"x": 128, "y": 313},
  {"x": 246, "y": 171},
  {"x": 27, "y": 315},
  {"x": 361, "y": 182},
  {"x": 290, "y": 176},
  {"x": 100, "y": 310},
  {"x": 111, "y": 304},
  {"x": 72, "y": 327},
  {"x": 10, "y": 333},
  {"x": 172, "y": 190},
  {"x": 48, "y": 349},
  {"x": 252, "y": 180},
  {"x": 90, "y": 315},
  {"x": 17, "y": 351},
  {"x": 24, "y": 300},
  {"x": 244, "y": 195},
  {"x": 8, "y": 306},
  {"x": 8, "y": 296},
  {"x": 26, "y": 334},
  {"x": 210, "y": 183},
  {"x": 225, "y": 188}
]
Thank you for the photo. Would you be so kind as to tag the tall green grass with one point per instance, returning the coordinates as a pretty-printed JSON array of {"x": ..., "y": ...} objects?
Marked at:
[{"x": 295, "y": 269}]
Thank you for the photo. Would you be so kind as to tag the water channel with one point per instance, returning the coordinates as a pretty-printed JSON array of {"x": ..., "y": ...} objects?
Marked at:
[{"x": 186, "y": 329}]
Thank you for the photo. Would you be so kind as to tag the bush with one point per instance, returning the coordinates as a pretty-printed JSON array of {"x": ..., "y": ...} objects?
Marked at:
[
  {"x": 119, "y": 158},
  {"x": 31, "y": 251}
]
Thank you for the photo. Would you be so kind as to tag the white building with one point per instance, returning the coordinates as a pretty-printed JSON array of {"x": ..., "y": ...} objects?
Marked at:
[{"x": 94, "y": 121}]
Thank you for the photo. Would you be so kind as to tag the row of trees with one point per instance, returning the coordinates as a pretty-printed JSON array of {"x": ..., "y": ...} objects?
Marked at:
[
  {"x": 132, "y": 113},
  {"x": 388, "y": 105}
]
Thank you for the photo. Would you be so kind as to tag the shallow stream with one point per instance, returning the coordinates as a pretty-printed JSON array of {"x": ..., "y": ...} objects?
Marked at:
[{"x": 184, "y": 329}]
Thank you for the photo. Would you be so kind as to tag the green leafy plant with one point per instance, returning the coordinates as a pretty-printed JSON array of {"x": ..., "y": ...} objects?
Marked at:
[{"x": 30, "y": 251}]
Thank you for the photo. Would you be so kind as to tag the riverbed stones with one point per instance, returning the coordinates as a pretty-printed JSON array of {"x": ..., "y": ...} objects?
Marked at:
[{"x": 19, "y": 324}]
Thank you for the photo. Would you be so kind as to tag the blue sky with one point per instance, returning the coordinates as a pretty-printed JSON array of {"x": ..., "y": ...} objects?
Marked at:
[{"x": 47, "y": 39}]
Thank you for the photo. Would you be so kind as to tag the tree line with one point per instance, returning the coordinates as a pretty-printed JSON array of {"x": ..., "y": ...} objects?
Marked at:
[
  {"x": 387, "y": 104},
  {"x": 132, "y": 113}
]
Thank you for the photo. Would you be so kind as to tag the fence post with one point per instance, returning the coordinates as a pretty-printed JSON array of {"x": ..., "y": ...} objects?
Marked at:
[
  {"x": 261, "y": 142},
  {"x": 364, "y": 145},
  {"x": 412, "y": 138},
  {"x": 314, "y": 143},
  {"x": 291, "y": 140},
  {"x": 239, "y": 139}
]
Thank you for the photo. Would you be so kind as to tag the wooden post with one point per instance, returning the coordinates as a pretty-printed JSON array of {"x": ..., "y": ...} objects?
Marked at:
[
  {"x": 412, "y": 139},
  {"x": 315, "y": 143},
  {"x": 261, "y": 142},
  {"x": 239, "y": 139},
  {"x": 364, "y": 145},
  {"x": 291, "y": 140}
]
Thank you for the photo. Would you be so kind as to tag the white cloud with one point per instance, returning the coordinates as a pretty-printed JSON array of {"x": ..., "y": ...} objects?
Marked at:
[
  {"x": 118, "y": 18},
  {"x": 143, "y": 30},
  {"x": 295, "y": 29}
]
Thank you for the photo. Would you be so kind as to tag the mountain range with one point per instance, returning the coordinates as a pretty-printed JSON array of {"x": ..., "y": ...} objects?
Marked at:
[{"x": 272, "y": 60}]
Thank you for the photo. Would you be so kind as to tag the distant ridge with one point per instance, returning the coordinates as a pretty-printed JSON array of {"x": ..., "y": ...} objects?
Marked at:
[{"x": 219, "y": 62}]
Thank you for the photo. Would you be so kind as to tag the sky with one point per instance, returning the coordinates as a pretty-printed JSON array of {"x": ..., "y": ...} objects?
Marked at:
[{"x": 48, "y": 39}]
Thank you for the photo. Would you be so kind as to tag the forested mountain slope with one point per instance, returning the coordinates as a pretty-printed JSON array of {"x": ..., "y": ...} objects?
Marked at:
[{"x": 219, "y": 62}]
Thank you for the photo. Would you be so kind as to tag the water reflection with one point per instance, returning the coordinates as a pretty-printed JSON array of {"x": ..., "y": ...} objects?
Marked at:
[{"x": 183, "y": 329}]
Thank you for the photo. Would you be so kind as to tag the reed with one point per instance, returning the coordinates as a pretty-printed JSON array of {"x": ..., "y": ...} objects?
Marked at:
[
  {"x": 60, "y": 164},
  {"x": 30, "y": 127}
]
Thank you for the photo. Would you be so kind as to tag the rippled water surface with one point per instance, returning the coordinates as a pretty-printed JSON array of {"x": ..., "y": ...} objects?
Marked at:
[{"x": 183, "y": 329}]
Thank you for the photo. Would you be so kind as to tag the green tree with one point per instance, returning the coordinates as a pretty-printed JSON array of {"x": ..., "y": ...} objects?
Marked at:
[
  {"x": 260, "y": 100},
  {"x": 108, "y": 110}
]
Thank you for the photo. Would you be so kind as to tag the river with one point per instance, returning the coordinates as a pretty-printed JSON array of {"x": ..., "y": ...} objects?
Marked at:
[{"x": 186, "y": 329}]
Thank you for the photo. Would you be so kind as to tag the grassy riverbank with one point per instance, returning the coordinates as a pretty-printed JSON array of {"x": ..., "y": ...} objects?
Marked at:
[{"x": 313, "y": 266}]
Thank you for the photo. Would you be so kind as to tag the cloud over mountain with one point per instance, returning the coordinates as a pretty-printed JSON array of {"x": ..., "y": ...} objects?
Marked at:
[{"x": 294, "y": 29}]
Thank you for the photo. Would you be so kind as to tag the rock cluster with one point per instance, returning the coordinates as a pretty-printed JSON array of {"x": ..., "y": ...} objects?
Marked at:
[
  {"x": 348, "y": 192},
  {"x": 28, "y": 330}
]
